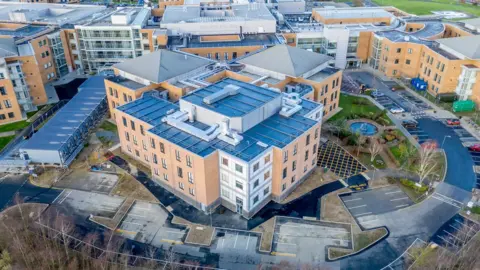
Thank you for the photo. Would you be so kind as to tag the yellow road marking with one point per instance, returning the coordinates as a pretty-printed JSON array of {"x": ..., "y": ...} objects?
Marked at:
[
  {"x": 283, "y": 254},
  {"x": 172, "y": 241},
  {"x": 125, "y": 231}
]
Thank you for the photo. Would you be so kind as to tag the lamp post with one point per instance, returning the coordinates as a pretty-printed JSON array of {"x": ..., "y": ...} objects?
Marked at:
[{"x": 446, "y": 136}]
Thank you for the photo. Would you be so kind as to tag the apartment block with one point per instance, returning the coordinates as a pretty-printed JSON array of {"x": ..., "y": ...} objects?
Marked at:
[
  {"x": 230, "y": 143},
  {"x": 167, "y": 72}
]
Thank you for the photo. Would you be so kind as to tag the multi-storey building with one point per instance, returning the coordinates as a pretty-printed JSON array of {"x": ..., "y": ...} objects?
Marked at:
[{"x": 230, "y": 143}]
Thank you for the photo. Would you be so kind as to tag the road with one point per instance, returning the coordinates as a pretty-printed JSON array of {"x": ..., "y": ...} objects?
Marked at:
[{"x": 10, "y": 185}]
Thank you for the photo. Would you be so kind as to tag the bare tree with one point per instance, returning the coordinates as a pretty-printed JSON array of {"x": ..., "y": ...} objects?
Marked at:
[
  {"x": 426, "y": 163},
  {"x": 374, "y": 149},
  {"x": 357, "y": 3}
]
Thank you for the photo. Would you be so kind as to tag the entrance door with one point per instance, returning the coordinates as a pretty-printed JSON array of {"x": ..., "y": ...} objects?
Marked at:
[{"x": 239, "y": 205}]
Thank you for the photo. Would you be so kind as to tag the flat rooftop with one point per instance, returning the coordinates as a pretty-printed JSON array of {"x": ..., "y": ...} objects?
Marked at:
[
  {"x": 46, "y": 13},
  {"x": 274, "y": 131},
  {"x": 138, "y": 17},
  {"x": 248, "y": 40},
  {"x": 353, "y": 13},
  {"x": 126, "y": 82},
  {"x": 430, "y": 29},
  {"x": 323, "y": 74},
  {"x": 249, "y": 98},
  {"x": 237, "y": 12},
  {"x": 22, "y": 32},
  {"x": 58, "y": 130}
]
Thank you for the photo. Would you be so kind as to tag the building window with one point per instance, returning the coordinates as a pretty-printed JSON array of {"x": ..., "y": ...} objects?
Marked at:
[
  {"x": 190, "y": 177},
  {"x": 255, "y": 200},
  {"x": 294, "y": 165},
  {"x": 306, "y": 155},
  {"x": 191, "y": 191},
  {"x": 152, "y": 143},
  {"x": 137, "y": 153},
  {"x": 409, "y": 51},
  {"x": 256, "y": 166},
  {"x": 124, "y": 97},
  {"x": 313, "y": 163},
  {"x": 443, "y": 67},
  {"x": 239, "y": 185},
  {"x": 316, "y": 133},
  {"x": 147, "y": 159},
  {"x": 407, "y": 61},
  {"x": 305, "y": 168},
  {"x": 127, "y": 136},
  {"x": 11, "y": 115},
  {"x": 293, "y": 179},
  {"x": 180, "y": 172},
  {"x": 255, "y": 184},
  {"x": 165, "y": 177},
  {"x": 394, "y": 72},
  {"x": 399, "y": 50},
  {"x": 180, "y": 185},
  {"x": 144, "y": 145},
  {"x": 155, "y": 170},
  {"x": 154, "y": 158},
  {"x": 225, "y": 55},
  {"x": 396, "y": 61},
  {"x": 189, "y": 161},
  {"x": 209, "y": 55},
  {"x": 177, "y": 155},
  {"x": 162, "y": 148},
  {"x": 116, "y": 93},
  {"x": 135, "y": 140},
  {"x": 234, "y": 55},
  {"x": 132, "y": 124},
  {"x": 284, "y": 173},
  {"x": 3, "y": 92},
  {"x": 265, "y": 191},
  {"x": 217, "y": 56},
  {"x": 226, "y": 193},
  {"x": 239, "y": 168},
  {"x": 314, "y": 151},
  {"x": 224, "y": 177},
  {"x": 284, "y": 186},
  {"x": 164, "y": 163},
  {"x": 124, "y": 120},
  {"x": 285, "y": 156},
  {"x": 266, "y": 159},
  {"x": 308, "y": 139},
  {"x": 266, "y": 175},
  {"x": 128, "y": 146},
  {"x": 142, "y": 131},
  {"x": 225, "y": 162}
]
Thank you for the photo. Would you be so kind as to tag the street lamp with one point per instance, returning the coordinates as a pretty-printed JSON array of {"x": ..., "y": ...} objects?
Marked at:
[{"x": 446, "y": 136}]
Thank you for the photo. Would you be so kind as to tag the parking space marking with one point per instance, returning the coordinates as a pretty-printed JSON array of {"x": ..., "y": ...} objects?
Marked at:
[
  {"x": 141, "y": 216},
  {"x": 274, "y": 253},
  {"x": 248, "y": 241},
  {"x": 357, "y": 206},
  {"x": 134, "y": 223},
  {"x": 399, "y": 199},
  {"x": 66, "y": 196},
  {"x": 58, "y": 196},
  {"x": 363, "y": 214},
  {"x": 175, "y": 232},
  {"x": 353, "y": 200},
  {"x": 393, "y": 192},
  {"x": 284, "y": 243},
  {"x": 402, "y": 205},
  {"x": 236, "y": 238}
]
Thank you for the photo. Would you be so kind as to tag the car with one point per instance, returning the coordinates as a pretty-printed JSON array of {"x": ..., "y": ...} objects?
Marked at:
[
  {"x": 474, "y": 148},
  {"x": 430, "y": 144},
  {"x": 376, "y": 93},
  {"x": 453, "y": 122},
  {"x": 409, "y": 123},
  {"x": 397, "y": 110}
]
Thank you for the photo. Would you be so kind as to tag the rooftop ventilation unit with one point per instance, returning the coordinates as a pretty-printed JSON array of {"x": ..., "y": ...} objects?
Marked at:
[{"x": 229, "y": 90}]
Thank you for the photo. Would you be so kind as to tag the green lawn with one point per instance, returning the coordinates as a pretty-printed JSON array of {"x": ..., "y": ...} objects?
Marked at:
[
  {"x": 14, "y": 126},
  {"x": 378, "y": 162},
  {"x": 108, "y": 126},
  {"x": 5, "y": 140},
  {"x": 357, "y": 107},
  {"x": 425, "y": 7}
]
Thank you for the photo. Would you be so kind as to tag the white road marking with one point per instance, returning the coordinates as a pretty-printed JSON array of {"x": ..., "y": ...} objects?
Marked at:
[
  {"x": 368, "y": 221},
  {"x": 393, "y": 192},
  {"x": 353, "y": 200},
  {"x": 142, "y": 216},
  {"x": 236, "y": 238},
  {"x": 175, "y": 232},
  {"x": 398, "y": 199},
  {"x": 402, "y": 205},
  {"x": 283, "y": 243},
  {"x": 68, "y": 194},
  {"x": 363, "y": 214},
  {"x": 223, "y": 241},
  {"x": 248, "y": 241},
  {"x": 357, "y": 206},
  {"x": 135, "y": 223},
  {"x": 58, "y": 196}
]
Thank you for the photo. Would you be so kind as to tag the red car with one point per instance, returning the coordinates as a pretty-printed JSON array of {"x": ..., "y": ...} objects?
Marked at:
[
  {"x": 453, "y": 122},
  {"x": 474, "y": 148},
  {"x": 430, "y": 144}
]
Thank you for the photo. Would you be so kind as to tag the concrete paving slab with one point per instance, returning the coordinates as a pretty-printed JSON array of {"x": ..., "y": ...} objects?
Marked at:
[{"x": 89, "y": 181}]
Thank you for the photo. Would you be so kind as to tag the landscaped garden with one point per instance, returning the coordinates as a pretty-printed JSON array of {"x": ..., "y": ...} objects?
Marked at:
[{"x": 354, "y": 107}]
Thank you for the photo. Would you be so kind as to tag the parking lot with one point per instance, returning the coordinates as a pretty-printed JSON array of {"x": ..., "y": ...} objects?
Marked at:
[
  {"x": 375, "y": 201},
  {"x": 89, "y": 181},
  {"x": 306, "y": 239},
  {"x": 235, "y": 241},
  {"x": 419, "y": 134},
  {"x": 456, "y": 232},
  {"x": 88, "y": 203},
  {"x": 387, "y": 102},
  {"x": 340, "y": 162},
  {"x": 148, "y": 223}
]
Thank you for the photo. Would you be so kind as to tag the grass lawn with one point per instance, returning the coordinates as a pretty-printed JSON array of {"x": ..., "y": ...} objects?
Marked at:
[
  {"x": 350, "y": 107},
  {"x": 108, "y": 126},
  {"x": 5, "y": 140},
  {"x": 425, "y": 7},
  {"x": 378, "y": 162},
  {"x": 14, "y": 126}
]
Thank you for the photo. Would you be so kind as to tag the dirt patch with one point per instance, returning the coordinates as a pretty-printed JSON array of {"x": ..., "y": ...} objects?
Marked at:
[
  {"x": 137, "y": 165},
  {"x": 129, "y": 187},
  {"x": 267, "y": 230},
  {"x": 24, "y": 211},
  {"x": 334, "y": 210},
  {"x": 315, "y": 180},
  {"x": 200, "y": 235},
  {"x": 46, "y": 177},
  {"x": 380, "y": 182}
]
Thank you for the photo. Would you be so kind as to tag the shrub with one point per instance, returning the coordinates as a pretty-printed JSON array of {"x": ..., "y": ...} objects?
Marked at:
[
  {"x": 360, "y": 101},
  {"x": 411, "y": 184},
  {"x": 390, "y": 137},
  {"x": 476, "y": 210},
  {"x": 343, "y": 134}
]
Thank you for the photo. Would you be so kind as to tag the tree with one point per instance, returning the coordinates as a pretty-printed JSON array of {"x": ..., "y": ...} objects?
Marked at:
[
  {"x": 5, "y": 260},
  {"x": 426, "y": 163},
  {"x": 357, "y": 3}
]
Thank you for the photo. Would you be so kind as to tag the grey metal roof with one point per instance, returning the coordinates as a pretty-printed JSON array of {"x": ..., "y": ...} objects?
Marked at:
[
  {"x": 469, "y": 46},
  {"x": 8, "y": 47},
  {"x": 288, "y": 60},
  {"x": 162, "y": 65},
  {"x": 353, "y": 12},
  {"x": 475, "y": 22},
  {"x": 239, "y": 12},
  {"x": 63, "y": 125}
]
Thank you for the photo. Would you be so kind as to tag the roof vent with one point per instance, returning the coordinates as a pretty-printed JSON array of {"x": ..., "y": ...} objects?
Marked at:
[
  {"x": 228, "y": 90},
  {"x": 406, "y": 38}
]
